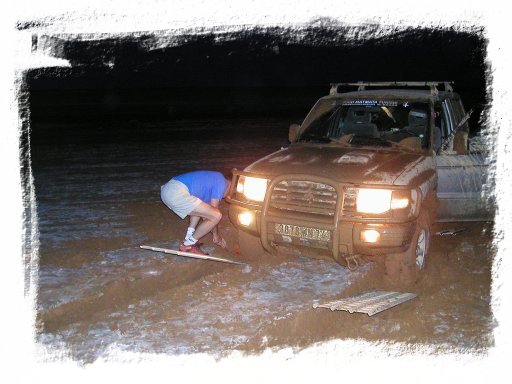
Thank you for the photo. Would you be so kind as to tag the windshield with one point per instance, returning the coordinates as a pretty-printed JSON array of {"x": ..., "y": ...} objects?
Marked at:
[{"x": 368, "y": 122}]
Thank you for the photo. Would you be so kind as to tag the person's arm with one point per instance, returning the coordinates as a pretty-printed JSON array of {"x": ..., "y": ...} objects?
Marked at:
[{"x": 217, "y": 238}]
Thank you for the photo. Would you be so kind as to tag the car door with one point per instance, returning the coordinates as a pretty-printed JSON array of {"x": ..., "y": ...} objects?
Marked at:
[{"x": 462, "y": 177}]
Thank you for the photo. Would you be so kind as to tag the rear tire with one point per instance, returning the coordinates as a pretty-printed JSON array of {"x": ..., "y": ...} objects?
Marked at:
[
  {"x": 406, "y": 267},
  {"x": 250, "y": 246}
]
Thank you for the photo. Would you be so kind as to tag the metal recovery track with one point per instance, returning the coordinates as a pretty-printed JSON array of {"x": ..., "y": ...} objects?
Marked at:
[{"x": 371, "y": 302}]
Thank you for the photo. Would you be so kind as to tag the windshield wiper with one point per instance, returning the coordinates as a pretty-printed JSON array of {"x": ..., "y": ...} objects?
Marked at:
[
  {"x": 368, "y": 140},
  {"x": 315, "y": 138}
]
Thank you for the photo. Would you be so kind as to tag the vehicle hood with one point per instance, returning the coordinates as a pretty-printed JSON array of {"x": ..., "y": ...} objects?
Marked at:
[{"x": 342, "y": 164}]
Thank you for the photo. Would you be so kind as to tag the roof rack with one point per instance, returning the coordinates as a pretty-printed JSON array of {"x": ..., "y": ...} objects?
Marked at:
[{"x": 361, "y": 85}]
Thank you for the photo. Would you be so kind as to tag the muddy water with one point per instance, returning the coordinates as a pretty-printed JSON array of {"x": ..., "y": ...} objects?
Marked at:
[
  {"x": 215, "y": 313},
  {"x": 85, "y": 202},
  {"x": 98, "y": 292}
]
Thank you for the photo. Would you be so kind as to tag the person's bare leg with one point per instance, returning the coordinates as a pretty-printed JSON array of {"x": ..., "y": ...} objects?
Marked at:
[
  {"x": 194, "y": 220},
  {"x": 211, "y": 217}
]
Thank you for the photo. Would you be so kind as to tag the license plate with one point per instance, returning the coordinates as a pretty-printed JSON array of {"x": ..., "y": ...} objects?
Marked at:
[{"x": 303, "y": 232}]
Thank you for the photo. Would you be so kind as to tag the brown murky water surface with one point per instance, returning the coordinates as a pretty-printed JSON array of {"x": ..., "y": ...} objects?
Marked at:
[{"x": 98, "y": 292}]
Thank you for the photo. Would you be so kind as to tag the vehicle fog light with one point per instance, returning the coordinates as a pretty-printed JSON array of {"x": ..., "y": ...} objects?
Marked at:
[
  {"x": 245, "y": 218},
  {"x": 370, "y": 236}
]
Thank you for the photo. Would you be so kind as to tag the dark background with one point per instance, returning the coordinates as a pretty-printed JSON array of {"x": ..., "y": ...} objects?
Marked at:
[{"x": 126, "y": 89}]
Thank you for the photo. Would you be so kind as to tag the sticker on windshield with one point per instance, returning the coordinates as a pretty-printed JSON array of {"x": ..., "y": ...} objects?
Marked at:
[
  {"x": 369, "y": 103},
  {"x": 419, "y": 114}
]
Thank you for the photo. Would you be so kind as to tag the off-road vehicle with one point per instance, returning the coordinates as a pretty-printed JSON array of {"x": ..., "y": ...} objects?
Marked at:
[{"x": 366, "y": 174}]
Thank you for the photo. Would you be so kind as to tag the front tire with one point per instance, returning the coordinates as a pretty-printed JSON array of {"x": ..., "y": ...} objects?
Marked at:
[{"x": 407, "y": 267}]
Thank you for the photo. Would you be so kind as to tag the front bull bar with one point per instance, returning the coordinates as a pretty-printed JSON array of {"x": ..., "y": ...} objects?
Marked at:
[{"x": 331, "y": 225}]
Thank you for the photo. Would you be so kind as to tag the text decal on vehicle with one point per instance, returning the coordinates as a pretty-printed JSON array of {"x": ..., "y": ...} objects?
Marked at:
[
  {"x": 384, "y": 103},
  {"x": 303, "y": 232}
]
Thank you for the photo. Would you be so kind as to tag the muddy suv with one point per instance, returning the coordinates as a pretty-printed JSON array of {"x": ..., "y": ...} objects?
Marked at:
[{"x": 365, "y": 176}]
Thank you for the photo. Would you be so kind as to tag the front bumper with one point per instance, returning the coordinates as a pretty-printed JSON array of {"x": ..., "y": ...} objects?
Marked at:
[{"x": 344, "y": 238}]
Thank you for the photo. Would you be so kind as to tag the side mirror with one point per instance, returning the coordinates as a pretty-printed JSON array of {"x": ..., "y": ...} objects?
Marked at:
[{"x": 293, "y": 132}]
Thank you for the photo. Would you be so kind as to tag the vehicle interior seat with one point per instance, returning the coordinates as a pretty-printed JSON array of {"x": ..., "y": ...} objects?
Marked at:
[
  {"x": 358, "y": 121},
  {"x": 417, "y": 122}
]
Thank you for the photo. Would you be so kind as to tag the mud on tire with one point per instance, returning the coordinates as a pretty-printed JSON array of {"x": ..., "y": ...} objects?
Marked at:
[{"x": 406, "y": 267}]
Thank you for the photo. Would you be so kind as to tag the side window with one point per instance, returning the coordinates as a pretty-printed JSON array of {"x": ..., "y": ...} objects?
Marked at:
[
  {"x": 449, "y": 118},
  {"x": 455, "y": 112},
  {"x": 443, "y": 127},
  {"x": 461, "y": 125},
  {"x": 460, "y": 114}
]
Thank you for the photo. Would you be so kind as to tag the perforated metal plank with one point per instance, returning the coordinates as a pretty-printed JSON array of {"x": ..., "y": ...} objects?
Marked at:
[{"x": 370, "y": 302}]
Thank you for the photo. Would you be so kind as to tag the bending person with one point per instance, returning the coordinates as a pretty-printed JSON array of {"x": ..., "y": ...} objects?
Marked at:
[{"x": 197, "y": 195}]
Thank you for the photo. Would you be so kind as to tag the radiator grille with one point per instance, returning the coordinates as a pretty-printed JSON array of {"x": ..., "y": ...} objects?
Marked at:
[{"x": 304, "y": 196}]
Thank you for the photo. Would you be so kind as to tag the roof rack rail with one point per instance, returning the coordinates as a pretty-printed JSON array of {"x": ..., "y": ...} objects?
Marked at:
[{"x": 361, "y": 85}]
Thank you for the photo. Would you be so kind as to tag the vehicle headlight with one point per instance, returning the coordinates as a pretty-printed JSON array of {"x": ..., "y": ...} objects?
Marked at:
[
  {"x": 254, "y": 188},
  {"x": 373, "y": 200},
  {"x": 397, "y": 203}
]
